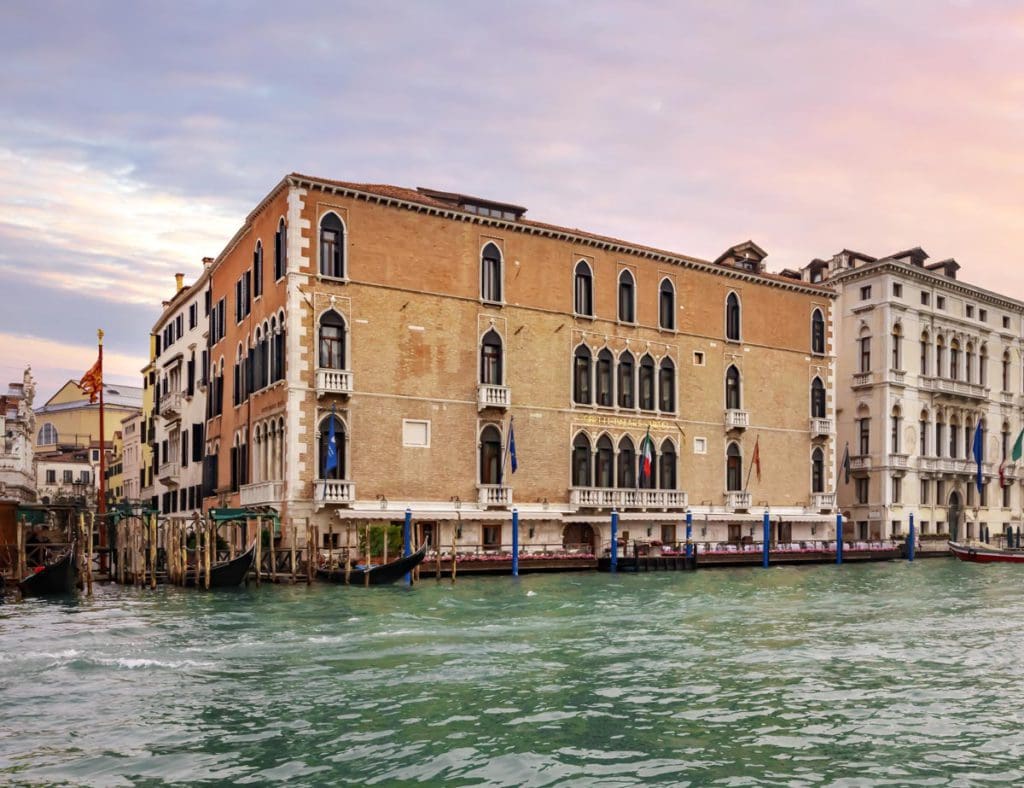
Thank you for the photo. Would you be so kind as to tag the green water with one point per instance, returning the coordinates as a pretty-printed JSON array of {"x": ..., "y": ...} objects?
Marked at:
[{"x": 889, "y": 673}]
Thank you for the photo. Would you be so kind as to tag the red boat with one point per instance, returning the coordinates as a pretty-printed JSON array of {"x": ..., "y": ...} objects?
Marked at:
[{"x": 986, "y": 554}]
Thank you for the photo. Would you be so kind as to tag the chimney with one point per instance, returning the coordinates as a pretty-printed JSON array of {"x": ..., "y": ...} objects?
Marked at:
[
  {"x": 179, "y": 282},
  {"x": 207, "y": 262}
]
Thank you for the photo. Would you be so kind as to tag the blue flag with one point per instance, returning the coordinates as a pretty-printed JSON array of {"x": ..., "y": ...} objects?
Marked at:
[
  {"x": 512, "y": 446},
  {"x": 979, "y": 445},
  {"x": 332, "y": 448}
]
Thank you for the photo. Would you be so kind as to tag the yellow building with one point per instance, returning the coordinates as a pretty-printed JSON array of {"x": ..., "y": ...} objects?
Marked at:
[
  {"x": 115, "y": 470},
  {"x": 68, "y": 419},
  {"x": 146, "y": 437}
]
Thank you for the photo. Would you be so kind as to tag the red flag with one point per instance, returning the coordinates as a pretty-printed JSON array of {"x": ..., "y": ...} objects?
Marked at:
[
  {"x": 92, "y": 381},
  {"x": 757, "y": 457},
  {"x": 1002, "y": 474},
  {"x": 646, "y": 456}
]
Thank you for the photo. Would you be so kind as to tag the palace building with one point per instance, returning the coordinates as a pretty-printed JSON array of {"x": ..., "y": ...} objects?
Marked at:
[
  {"x": 922, "y": 357},
  {"x": 419, "y": 330}
]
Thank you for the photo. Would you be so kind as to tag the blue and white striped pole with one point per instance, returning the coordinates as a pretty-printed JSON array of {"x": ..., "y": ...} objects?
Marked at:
[
  {"x": 767, "y": 531},
  {"x": 615, "y": 541},
  {"x": 910, "y": 540},
  {"x": 839, "y": 538},
  {"x": 406, "y": 539},
  {"x": 515, "y": 543},
  {"x": 689, "y": 534}
]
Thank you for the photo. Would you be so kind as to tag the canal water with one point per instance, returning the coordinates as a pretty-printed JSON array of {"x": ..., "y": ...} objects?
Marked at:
[{"x": 879, "y": 674}]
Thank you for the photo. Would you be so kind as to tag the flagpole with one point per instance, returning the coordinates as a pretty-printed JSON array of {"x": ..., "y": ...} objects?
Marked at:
[
  {"x": 504, "y": 453},
  {"x": 750, "y": 468}
]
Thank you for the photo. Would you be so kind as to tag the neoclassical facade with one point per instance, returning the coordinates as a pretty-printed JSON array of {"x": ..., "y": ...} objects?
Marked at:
[
  {"x": 922, "y": 359},
  {"x": 373, "y": 348}
]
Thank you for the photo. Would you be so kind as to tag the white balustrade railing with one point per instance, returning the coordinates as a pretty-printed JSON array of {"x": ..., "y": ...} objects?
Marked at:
[
  {"x": 170, "y": 404},
  {"x": 494, "y": 495},
  {"x": 863, "y": 379},
  {"x": 823, "y": 502},
  {"x": 334, "y": 491},
  {"x": 491, "y": 396},
  {"x": 333, "y": 381},
  {"x": 821, "y": 428},
  {"x": 736, "y": 419},
  {"x": 626, "y": 498},
  {"x": 737, "y": 500},
  {"x": 260, "y": 493}
]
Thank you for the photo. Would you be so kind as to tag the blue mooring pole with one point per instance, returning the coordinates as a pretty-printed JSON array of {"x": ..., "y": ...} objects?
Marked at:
[
  {"x": 515, "y": 543},
  {"x": 839, "y": 538},
  {"x": 689, "y": 534},
  {"x": 406, "y": 539},
  {"x": 615, "y": 541},
  {"x": 910, "y": 540},
  {"x": 767, "y": 531}
]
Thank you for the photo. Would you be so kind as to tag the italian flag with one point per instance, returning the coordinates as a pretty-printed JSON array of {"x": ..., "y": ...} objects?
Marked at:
[{"x": 646, "y": 455}]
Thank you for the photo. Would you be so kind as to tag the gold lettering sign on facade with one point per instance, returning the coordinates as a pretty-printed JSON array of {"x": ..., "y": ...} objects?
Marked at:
[{"x": 621, "y": 421}]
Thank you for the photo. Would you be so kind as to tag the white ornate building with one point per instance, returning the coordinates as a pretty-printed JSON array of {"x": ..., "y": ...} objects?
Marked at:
[
  {"x": 921, "y": 357},
  {"x": 17, "y": 430}
]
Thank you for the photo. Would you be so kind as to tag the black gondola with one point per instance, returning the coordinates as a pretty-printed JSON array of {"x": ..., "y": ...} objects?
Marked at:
[
  {"x": 229, "y": 574},
  {"x": 379, "y": 575},
  {"x": 57, "y": 577}
]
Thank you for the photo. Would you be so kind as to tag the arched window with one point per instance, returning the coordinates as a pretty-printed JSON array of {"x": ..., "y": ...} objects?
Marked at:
[
  {"x": 1006, "y": 370},
  {"x": 604, "y": 470},
  {"x": 490, "y": 455},
  {"x": 817, "y": 332},
  {"x": 257, "y": 270},
  {"x": 280, "y": 249},
  {"x": 925, "y": 347},
  {"x": 922, "y": 449},
  {"x": 627, "y": 463},
  {"x": 490, "y": 359},
  {"x": 332, "y": 246},
  {"x": 1005, "y": 444},
  {"x": 667, "y": 305},
  {"x": 732, "y": 317},
  {"x": 581, "y": 375},
  {"x": 605, "y": 362},
  {"x": 667, "y": 469},
  {"x": 954, "y": 437},
  {"x": 818, "y": 471},
  {"x": 279, "y": 342},
  {"x": 939, "y": 434},
  {"x": 490, "y": 273},
  {"x": 817, "y": 399},
  {"x": 954, "y": 360},
  {"x": 983, "y": 365},
  {"x": 897, "y": 347},
  {"x": 627, "y": 298},
  {"x": 626, "y": 376},
  {"x": 646, "y": 383},
  {"x": 332, "y": 340},
  {"x": 583, "y": 298},
  {"x": 581, "y": 461},
  {"x": 667, "y": 386},
  {"x": 733, "y": 468},
  {"x": 338, "y": 471},
  {"x": 894, "y": 433},
  {"x": 733, "y": 398},
  {"x": 969, "y": 363},
  {"x": 48, "y": 435},
  {"x": 940, "y": 356}
]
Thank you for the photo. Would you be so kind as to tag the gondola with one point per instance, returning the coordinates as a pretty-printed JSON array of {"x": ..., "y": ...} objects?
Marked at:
[
  {"x": 229, "y": 574},
  {"x": 378, "y": 575},
  {"x": 978, "y": 553},
  {"x": 57, "y": 577}
]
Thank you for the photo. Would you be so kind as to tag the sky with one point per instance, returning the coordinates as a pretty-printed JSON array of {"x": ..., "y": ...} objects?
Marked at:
[{"x": 137, "y": 136}]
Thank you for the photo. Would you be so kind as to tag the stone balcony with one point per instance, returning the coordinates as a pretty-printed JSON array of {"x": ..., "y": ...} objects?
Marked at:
[
  {"x": 261, "y": 493},
  {"x": 626, "y": 498},
  {"x": 736, "y": 419},
  {"x": 861, "y": 379},
  {"x": 899, "y": 462},
  {"x": 955, "y": 388},
  {"x": 168, "y": 473},
  {"x": 494, "y": 495},
  {"x": 489, "y": 395},
  {"x": 860, "y": 462},
  {"x": 897, "y": 377},
  {"x": 821, "y": 428},
  {"x": 737, "y": 501},
  {"x": 170, "y": 406},
  {"x": 333, "y": 381},
  {"x": 823, "y": 502},
  {"x": 337, "y": 492}
]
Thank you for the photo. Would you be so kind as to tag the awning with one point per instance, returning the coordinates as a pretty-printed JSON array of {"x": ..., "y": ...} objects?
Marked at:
[{"x": 463, "y": 515}]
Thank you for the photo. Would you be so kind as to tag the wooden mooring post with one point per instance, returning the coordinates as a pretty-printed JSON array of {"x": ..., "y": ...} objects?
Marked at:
[
  {"x": 294, "y": 534},
  {"x": 273, "y": 551},
  {"x": 259, "y": 548}
]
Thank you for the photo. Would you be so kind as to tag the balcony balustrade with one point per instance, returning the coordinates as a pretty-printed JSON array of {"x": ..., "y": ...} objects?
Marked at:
[
  {"x": 168, "y": 473},
  {"x": 170, "y": 405},
  {"x": 861, "y": 379},
  {"x": 956, "y": 388},
  {"x": 333, "y": 381},
  {"x": 737, "y": 501},
  {"x": 736, "y": 419},
  {"x": 494, "y": 495},
  {"x": 334, "y": 491},
  {"x": 897, "y": 377},
  {"x": 861, "y": 462},
  {"x": 489, "y": 395},
  {"x": 821, "y": 428},
  {"x": 261, "y": 493},
  {"x": 823, "y": 502},
  {"x": 626, "y": 498}
]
